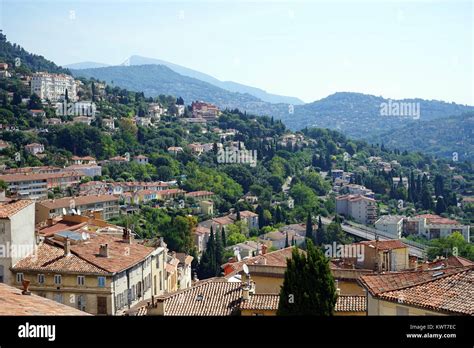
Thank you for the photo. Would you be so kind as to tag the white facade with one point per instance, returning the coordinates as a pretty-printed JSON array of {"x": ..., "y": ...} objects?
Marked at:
[
  {"x": 53, "y": 86},
  {"x": 17, "y": 240},
  {"x": 391, "y": 225},
  {"x": 362, "y": 209}
]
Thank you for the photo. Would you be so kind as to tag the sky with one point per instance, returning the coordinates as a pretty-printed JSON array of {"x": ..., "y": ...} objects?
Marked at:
[{"x": 306, "y": 49}]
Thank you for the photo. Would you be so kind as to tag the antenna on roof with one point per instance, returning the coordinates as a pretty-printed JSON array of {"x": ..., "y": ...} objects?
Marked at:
[{"x": 245, "y": 268}]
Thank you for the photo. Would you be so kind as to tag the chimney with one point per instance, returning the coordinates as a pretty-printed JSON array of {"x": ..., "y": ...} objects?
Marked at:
[
  {"x": 264, "y": 249},
  {"x": 26, "y": 285},
  {"x": 127, "y": 236},
  {"x": 104, "y": 250},
  {"x": 67, "y": 247},
  {"x": 245, "y": 292}
]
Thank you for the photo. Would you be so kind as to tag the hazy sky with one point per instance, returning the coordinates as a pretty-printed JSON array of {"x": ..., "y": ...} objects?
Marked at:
[{"x": 307, "y": 49}]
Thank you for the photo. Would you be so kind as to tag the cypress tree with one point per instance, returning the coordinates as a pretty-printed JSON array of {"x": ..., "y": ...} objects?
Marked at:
[
  {"x": 308, "y": 287},
  {"x": 223, "y": 237},
  {"x": 219, "y": 253},
  {"x": 287, "y": 244},
  {"x": 309, "y": 227}
]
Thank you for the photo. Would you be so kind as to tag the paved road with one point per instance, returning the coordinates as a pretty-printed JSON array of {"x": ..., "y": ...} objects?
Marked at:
[{"x": 370, "y": 235}]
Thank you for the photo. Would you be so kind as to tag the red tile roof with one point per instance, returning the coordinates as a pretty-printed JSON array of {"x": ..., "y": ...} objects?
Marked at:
[
  {"x": 78, "y": 201},
  {"x": 351, "y": 303},
  {"x": 51, "y": 258},
  {"x": 11, "y": 208},
  {"x": 274, "y": 258},
  {"x": 122, "y": 255},
  {"x": 385, "y": 244},
  {"x": 437, "y": 220},
  {"x": 12, "y": 302},
  {"x": 449, "y": 290},
  {"x": 261, "y": 302},
  {"x": 212, "y": 297}
]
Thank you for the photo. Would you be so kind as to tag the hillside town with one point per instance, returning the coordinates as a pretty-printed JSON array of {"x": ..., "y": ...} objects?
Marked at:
[{"x": 120, "y": 204}]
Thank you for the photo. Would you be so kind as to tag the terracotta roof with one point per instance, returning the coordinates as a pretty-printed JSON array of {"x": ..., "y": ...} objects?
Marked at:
[
  {"x": 212, "y": 297},
  {"x": 202, "y": 230},
  {"x": 12, "y": 302},
  {"x": 61, "y": 225},
  {"x": 452, "y": 293},
  {"x": 261, "y": 302},
  {"x": 78, "y": 201},
  {"x": 247, "y": 213},
  {"x": 380, "y": 283},
  {"x": 223, "y": 220},
  {"x": 351, "y": 303},
  {"x": 122, "y": 255},
  {"x": 274, "y": 258},
  {"x": 37, "y": 176},
  {"x": 13, "y": 207},
  {"x": 451, "y": 261},
  {"x": 437, "y": 220},
  {"x": 51, "y": 258},
  {"x": 385, "y": 244}
]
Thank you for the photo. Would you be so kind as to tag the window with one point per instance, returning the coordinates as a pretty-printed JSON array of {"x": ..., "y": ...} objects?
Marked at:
[
  {"x": 40, "y": 278},
  {"x": 81, "y": 302},
  {"x": 2, "y": 228},
  {"x": 81, "y": 280},
  {"x": 101, "y": 282},
  {"x": 58, "y": 298},
  {"x": 19, "y": 277},
  {"x": 57, "y": 279}
]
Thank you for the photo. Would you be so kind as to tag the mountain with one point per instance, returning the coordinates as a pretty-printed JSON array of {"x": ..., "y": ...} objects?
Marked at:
[
  {"x": 227, "y": 85},
  {"x": 440, "y": 137},
  {"x": 154, "y": 80},
  {"x": 359, "y": 115},
  {"x": 86, "y": 65}
]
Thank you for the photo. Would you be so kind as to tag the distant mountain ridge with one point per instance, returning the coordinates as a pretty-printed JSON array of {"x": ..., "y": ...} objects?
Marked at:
[
  {"x": 86, "y": 65},
  {"x": 359, "y": 115},
  {"x": 227, "y": 85}
]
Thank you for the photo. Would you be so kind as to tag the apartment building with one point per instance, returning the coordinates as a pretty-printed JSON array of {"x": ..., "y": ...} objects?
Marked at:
[
  {"x": 35, "y": 186},
  {"x": 206, "y": 111},
  {"x": 391, "y": 225},
  {"x": 53, "y": 86},
  {"x": 362, "y": 209},
  {"x": 96, "y": 273},
  {"x": 17, "y": 235},
  {"x": 434, "y": 226},
  {"x": 106, "y": 205}
]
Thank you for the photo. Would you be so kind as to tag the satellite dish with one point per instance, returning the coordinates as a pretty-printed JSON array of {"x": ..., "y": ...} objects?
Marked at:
[
  {"x": 64, "y": 211},
  {"x": 78, "y": 211},
  {"x": 84, "y": 236},
  {"x": 245, "y": 268},
  {"x": 74, "y": 211}
]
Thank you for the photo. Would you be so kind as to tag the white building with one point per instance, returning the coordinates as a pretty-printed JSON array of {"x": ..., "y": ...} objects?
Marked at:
[
  {"x": 53, "y": 86},
  {"x": 17, "y": 235},
  {"x": 362, "y": 209},
  {"x": 433, "y": 226},
  {"x": 391, "y": 225}
]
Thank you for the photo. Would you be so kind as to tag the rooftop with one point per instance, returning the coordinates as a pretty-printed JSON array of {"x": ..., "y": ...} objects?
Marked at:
[
  {"x": 11, "y": 208},
  {"x": 384, "y": 244},
  {"x": 78, "y": 201},
  {"x": 13, "y": 302},
  {"x": 51, "y": 258},
  {"x": 449, "y": 290},
  {"x": 437, "y": 220},
  {"x": 274, "y": 258},
  {"x": 211, "y": 297}
]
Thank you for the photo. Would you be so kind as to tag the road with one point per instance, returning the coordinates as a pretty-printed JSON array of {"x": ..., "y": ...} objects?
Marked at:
[{"x": 370, "y": 235}]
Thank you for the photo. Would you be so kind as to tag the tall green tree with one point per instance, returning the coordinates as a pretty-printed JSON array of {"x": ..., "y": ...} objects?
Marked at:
[
  {"x": 308, "y": 287},
  {"x": 309, "y": 227}
]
